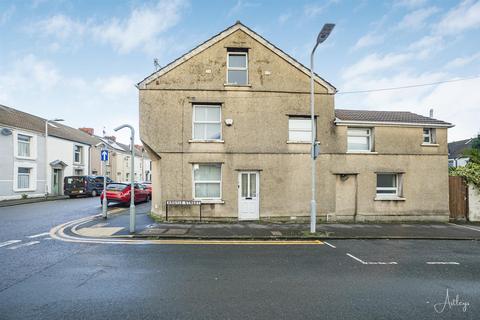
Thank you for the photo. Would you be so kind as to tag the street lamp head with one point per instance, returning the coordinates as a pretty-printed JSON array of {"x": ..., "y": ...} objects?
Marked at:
[
  {"x": 325, "y": 32},
  {"x": 58, "y": 119}
]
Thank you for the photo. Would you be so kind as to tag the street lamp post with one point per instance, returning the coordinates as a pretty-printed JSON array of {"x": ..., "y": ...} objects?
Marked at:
[
  {"x": 132, "y": 182},
  {"x": 47, "y": 123},
  {"x": 322, "y": 36}
]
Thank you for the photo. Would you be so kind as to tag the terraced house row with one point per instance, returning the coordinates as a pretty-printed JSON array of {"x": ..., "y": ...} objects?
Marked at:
[{"x": 228, "y": 124}]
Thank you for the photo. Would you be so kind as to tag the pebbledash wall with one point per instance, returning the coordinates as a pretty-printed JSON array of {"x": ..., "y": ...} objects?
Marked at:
[{"x": 257, "y": 141}]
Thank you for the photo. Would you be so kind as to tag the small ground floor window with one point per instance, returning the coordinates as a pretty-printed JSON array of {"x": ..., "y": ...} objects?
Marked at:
[
  {"x": 23, "y": 178},
  {"x": 389, "y": 184},
  {"x": 78, "y": 172},
  {"x": 207, "y": 181}
]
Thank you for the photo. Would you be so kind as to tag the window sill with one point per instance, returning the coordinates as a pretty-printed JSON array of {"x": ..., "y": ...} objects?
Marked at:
[
  {"x": 389, "y": 198},
  {"x": 25, "y": 158},
  {"x": 211, "y": 201},
  {"x": 302, "y": 142},
  {"x": 430, "y": 145},
  {"x": 206, "y": 141},
  {"x": 233, "y": 85},
  {"x": 23, "y": 190},
  {"x": 362, "y": 152}
]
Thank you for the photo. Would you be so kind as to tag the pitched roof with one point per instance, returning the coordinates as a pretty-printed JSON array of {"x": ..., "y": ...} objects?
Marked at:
[
  {"x": 388, "y": 117},
  {"x": 456, "y": 148},
  {"x": 19, "y": 119},
  {"x": 223, "y": 34}
]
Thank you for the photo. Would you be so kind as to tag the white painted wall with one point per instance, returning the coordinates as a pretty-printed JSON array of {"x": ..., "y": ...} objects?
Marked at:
[
  {"x": 473, "y": 203},
  {"x": 63, "y": 150}
]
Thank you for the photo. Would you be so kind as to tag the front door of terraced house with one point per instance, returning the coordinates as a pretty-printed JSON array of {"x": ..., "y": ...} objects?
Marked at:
[{"x": 248, "y": 195}]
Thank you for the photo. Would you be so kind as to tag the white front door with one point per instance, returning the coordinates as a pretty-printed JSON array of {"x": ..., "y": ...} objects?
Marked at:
[{"x": 248, "y": 195}]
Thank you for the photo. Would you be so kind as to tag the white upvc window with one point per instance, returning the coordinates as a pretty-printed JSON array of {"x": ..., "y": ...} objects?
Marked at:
[
  {"x": 429, "y": 136},
  {"x": 78, "y": 172},
  {"x": 207, "y": 181},
  {"x": 77, "y": 154},
  {"x": 207, "y": 123},
  {"x": 359, "y": 139},
  {"x": 23, "y": 179},
  {"x": 24, "y": 143},
  {"x": 389, "y": 185},
  {"x": 24, "y": 176},
  {"x": 300, "y": 129},
  {"x": 237, "y": 68}
]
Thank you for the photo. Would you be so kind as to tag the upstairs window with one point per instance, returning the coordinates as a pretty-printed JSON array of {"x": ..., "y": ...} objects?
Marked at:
[
  {"x": 428, "y": 135},
  {"x": 299, "y": 129},
  {"x": 24, "y": 143},
  {"x": 237, "y": 68},
  {"x": 359, "y": 139},
  {"x": 207, "y": 122},
  {"x": 77, "y": 154}
]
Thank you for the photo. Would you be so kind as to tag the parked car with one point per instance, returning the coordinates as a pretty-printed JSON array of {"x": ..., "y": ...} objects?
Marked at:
[
  {"x": 74, "y": 186},
  {"x": 120, "y": 193},
  {"x": 148, "y": 188}
]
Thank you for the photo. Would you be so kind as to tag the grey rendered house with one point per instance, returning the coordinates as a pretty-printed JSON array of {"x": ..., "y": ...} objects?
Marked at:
[
  {"x": 26, "y": 169},
  {"x": 228, "y": 124}
]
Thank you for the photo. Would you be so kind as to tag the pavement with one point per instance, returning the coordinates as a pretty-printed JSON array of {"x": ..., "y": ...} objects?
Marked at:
[
  {"x": 117, "y": 226},
  {"x": 15, "y": 202}
]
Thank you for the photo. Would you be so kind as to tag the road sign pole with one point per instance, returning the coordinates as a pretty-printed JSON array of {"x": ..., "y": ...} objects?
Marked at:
[{"x": 104, "y": 203}]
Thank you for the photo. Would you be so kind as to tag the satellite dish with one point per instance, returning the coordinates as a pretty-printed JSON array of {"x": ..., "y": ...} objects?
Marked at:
[{"x": 6, "y": 132}]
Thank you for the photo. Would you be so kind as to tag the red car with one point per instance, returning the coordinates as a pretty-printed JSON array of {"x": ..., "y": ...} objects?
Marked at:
[
  {"x": 120, "y": 193},
  {"x": 148, "y": 187}
]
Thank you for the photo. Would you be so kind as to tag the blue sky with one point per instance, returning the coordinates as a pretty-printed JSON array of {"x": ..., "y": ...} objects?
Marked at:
[{"x": 79, "y": 60}]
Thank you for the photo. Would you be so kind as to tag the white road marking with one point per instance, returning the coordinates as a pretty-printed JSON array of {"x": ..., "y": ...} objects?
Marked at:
[
  {"x": 328, "y": 244},
  {"x": 442, "y": 262},
  {"x": 9, "y": 242},
  {"x": 39, "y": 235},
  {"x": 466, "y": 227},
  {"x": 31, "y": 243},
  {"x": 365, "y": 262}
]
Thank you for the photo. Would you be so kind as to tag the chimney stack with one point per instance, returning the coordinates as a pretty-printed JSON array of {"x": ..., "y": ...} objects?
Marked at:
[
  {"x": 431, "y": 113},
  {"x": 89, "y": 131}
]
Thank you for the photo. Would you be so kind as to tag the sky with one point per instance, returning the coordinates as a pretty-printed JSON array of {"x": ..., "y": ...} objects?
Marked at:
[{"x": 80, "y": 60}]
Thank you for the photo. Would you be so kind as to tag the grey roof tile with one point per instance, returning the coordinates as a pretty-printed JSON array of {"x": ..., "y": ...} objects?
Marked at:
[{"x": 386, "y": 116}]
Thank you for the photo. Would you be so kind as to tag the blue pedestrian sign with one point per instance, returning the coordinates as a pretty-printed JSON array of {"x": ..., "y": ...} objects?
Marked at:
[{"x": 104, "y": 155}]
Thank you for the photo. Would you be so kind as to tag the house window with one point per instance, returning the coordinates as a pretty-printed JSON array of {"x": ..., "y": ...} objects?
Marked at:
[
  {"x": 428, "y": 135},
  {"x": 207, "y": 181},
  {"x": 24, "y": 143},
  {"x": 359, "y": 139},
  {"x": 207, "y": 123},
  {"x": 389, "y": 184},
  {"x": 299, "y": 129},
  {"x": 237, "y": 68},
  {"x": 77, "y": 154},
  {"x": 78, "y": 172},
  {"x": 23, "y": 178}
]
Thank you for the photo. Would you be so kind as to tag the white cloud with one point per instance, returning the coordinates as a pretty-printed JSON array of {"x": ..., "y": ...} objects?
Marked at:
[
  {"x": 61, "y": 26},
  {"x": 410, "y": 3},
  {"x": 116, "y": 86},
  {"x": 142, "y": 28},
  {"x": 463, "y": 17},
  {"x": 462, "y": 61},
  {"x": 368, "y": 40},
  {"x": 417, "y": 19},
  {"x": 313, "y": 10},
  {"x": 374, "y": 63},
  {"x": 284, "y": 18},
  {"x": 241, "y": 5}
]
